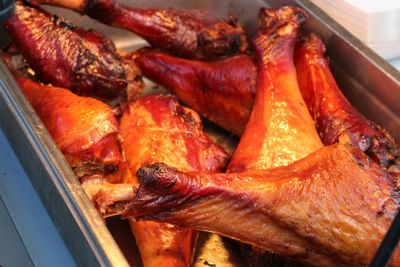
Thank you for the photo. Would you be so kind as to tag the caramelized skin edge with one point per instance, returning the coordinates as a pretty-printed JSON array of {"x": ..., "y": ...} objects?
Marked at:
[
  {"x": 280, "y": 117},
  {"x": 280, "y": 130},
  {"x": 84, "y": 128},
  {"x": 222, "y": 91},
  {"x": 339, "y": 177},
  {"x": 334, "y": 115},
  {"x": 157, "y": 128},
  {"x": 67, "y": 56},
  {"x": 335, "y": 199},
  {"x": 86, "y": 132},
  {"x": 192, "y": 34}
]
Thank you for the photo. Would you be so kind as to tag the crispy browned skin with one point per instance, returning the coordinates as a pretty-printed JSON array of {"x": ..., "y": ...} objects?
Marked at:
[
  {"x": 191, "y": 34},
  {"x": 336, "y": 201},
  {"x": 85, "y": 129},
  {"x": 330, "y": 208},
  {"x": 86, "y": 132},
  {"x": 334, "y": 115},
  {"x": 67, "y": 56},
  {"x": 157, "y": 128},
  {"x": 222, "y": 91},
  {"x": 280, "y": 130}
]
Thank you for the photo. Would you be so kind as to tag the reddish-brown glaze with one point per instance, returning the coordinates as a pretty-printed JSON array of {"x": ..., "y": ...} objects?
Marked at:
[
  {"x": 67, "y": 56},
  {"x": 222, "y": 91},
  {"x": 133, "y": 77},
  {"x": 280, "y": 129},
  {"x": 163, "y": 244},
  {"x": 192, "y": 34},
  {"x": 335, "y": 205},
  {"x": 334, "y": 115},
  {"x": 157, "y": 128},
  {"x": 84, "y": 128}
]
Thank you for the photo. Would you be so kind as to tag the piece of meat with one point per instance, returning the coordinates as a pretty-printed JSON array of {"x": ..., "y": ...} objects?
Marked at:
[
  {"x": 135, "y": 85},
  {"x": 331, "y": 208},
  {"x": 85, "y": 129},
  {"x": 222, "y": 91},
  {"x": 334, "y": 115},
  {"x": 67, "y": 56},
  {"x": 192, "y": 34},
  {"x": 280, "y": 130},
  {"x": 86, "y": 132},
  {"x": 277, "y": 90},
  {"x": 156, "y": 128},
  {"x": 336, "y": 201}
]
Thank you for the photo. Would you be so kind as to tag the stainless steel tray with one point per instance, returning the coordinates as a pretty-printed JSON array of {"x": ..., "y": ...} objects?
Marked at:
[{"x": 371, "y": 84}]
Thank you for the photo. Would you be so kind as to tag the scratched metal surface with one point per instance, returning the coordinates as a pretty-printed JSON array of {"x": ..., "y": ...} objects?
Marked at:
[{"x": 371, "y": 84}]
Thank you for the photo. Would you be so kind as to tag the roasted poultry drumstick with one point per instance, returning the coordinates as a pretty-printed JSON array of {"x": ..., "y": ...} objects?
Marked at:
[
  {"x": 192, "y": 34},
  {"x": 330, "y": 208},
  {"x": 67, "y": 56},
  {"x": 222, "y": 91},
  {"x": 280, "y": 130},
  {"x": 334, "y": 115},
  {"x": 335, "y": 201},
  {"x": 86, "y": 131},
  {"x": 284, "y": 192},
  {"x": 278, "y": 102},
  {"x": 156, "y": 128}
]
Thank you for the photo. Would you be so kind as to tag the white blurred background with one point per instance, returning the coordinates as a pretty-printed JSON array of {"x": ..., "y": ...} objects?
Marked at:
[{"x": 375, "y": 22}]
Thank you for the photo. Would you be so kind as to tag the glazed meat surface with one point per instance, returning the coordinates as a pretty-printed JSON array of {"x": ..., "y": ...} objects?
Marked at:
[
  {"x": 222, "y": 91},
  {"x": 85, "y": 129},
  {"x": 335, "y": 200},
  {"x": 86, "y": 132},
  {"x": 157, "y": 128},
  {"x": 280, "y": 129},
  {"x": 191, "y": 34},
  {"x": 334, "y": 115},
  {"x": 68, "y": 56},
  {"x": 330, "y": 206}
]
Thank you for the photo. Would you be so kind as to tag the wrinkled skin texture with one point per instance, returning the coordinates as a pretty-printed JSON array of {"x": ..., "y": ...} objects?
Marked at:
[
  {"x": 335, "y": 205},
  {"x": 280, "y": 130},
  {"x": 334, "y": 115},
  {"x": 67, "y": 56},
  {"x": 157, "y": 128},
  {"x": 86, "y": 132},
  {"x": 222, "y": 91},
  {"x": 191, "y": 34},
  {"x": 287, "y": 209},
  {"x": 84, "y": 128}
]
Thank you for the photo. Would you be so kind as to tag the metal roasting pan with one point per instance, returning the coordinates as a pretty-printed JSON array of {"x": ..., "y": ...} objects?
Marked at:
[{"x": 370, "y": 83}]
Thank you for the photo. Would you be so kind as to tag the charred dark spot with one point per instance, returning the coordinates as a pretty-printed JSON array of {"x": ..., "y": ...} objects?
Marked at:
[
  {"x": 233, "y": 21},
  {"x": 235, "y": 43},
  {"x": 364, "y": 143},
  {"x": 54, "y": 18},
  {"x": 66, "y": 25},
  {"x": 157, "y": 175},
  {"x": 102, "y": 10},
  {"x": 396, "y": 195}
]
